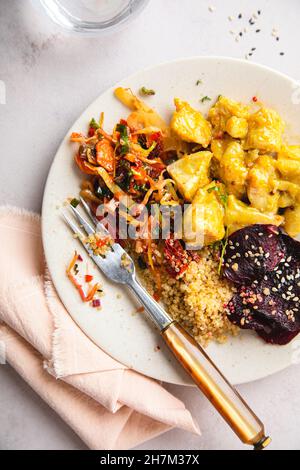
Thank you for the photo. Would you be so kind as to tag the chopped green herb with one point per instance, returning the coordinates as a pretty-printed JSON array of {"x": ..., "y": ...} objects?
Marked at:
[
  {"x": 205, "y": 98},
  {"x": 124, "y": 138},
  {"x": 199, "y": 82},
  {"x": 94, "y": 124},
  {"x": 76, "y": 270},
  {"x": 215, "y": 246},
  {"x": 224, "y": 199},
  {"x": 223, "y": 196},
  {"x": 147, "y": 91},
  {"x": 74, "y": 202},
  {"x": 224, "y": 244},
  {"x": 124, "y": 149}
]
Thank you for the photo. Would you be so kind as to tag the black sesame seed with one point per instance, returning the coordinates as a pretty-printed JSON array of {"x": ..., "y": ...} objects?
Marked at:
[
  {"x": 240, "y": 16},
  {"x": 281, "y": 53},
  {"x": 257, "y": 31},
  {"x": 259, "y": 12},
  {"x": 241, "y": 34}
]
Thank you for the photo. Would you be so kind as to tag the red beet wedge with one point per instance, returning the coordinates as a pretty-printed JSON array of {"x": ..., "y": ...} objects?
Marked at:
[{"x": 264, "y": 264}]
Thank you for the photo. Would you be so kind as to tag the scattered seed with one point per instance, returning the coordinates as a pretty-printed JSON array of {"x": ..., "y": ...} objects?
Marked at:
[{"x": 235, "y": 267}]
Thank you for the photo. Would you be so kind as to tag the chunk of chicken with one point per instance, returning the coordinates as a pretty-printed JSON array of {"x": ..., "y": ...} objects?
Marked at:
[
  {"x": 290, "y": 151},
  {"x": 190, "y": 125},
  {"x": 233, "y": 170},
  {"x": 265, "y": 131},
  {"x": 203, "y": 220},
  {"x": 289, "y": 193},
  {"x": 262, "y": 183},
  {"x": 292, "y": 220},
  {"x": 239, "y": 215},
  {"x": 223, "y": 111},
  {"x": 191, "y": 173},
  {"x": 237, "y": 127},
  {"x": 289, "y": 169},
  {"x": 251, "y": 157},
  {"x": 218, "y": 146}
]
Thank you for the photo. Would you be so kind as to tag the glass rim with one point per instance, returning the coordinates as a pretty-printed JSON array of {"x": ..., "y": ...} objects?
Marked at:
[{"x": 72, "y": 24}]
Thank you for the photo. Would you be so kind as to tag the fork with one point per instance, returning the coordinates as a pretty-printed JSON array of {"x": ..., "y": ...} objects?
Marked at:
[{"x": 188, "y": 352}]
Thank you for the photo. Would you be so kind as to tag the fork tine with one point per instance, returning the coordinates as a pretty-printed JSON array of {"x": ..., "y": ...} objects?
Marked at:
[
  {"x": 88, "y": 211},
  {"x": 71, "y": 224},
  {"x": 83, "y": 223},
  {"x": 93, "y": 218}
]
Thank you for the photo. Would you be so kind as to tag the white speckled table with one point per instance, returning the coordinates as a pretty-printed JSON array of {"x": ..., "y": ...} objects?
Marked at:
[{"x": 50, "y": 78}]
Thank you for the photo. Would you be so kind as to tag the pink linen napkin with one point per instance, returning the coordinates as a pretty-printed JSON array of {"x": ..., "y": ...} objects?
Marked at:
[{"x": 108, "y": 405}]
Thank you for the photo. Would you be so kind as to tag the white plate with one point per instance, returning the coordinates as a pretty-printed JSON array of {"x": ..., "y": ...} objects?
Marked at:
[{"x": 130, "y": 338}]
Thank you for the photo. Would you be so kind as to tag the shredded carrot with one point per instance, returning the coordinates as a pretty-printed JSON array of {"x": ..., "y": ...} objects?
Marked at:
[
  {"x": 140, "y": 310},
  {"x": 73, "y": 262},
  {"x": 105, "y": 155},
  {"x": 85, "y": 298},
  {"x": 105, "y": 135},
  {"x": 91, "y": 293},
  {"x": 76, "y": 137},
  {"x": 77, "y": 285},
  {"x": 150, "y": 162},
  {"x": 101, "y": 121}
]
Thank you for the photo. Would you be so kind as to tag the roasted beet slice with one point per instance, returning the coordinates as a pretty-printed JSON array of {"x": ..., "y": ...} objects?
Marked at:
[
  {"x": 264, "y": 263},
  {"x": 251, "y": 252}
]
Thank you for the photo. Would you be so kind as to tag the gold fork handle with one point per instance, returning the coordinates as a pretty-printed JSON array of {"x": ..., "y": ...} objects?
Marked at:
[{"x": 215, "y": 387}]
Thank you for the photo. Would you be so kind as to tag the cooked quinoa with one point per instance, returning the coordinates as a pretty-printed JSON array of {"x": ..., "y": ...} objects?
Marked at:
[
  {"x": 197, "y": 299},
  {"x": 98, "y": 243}
]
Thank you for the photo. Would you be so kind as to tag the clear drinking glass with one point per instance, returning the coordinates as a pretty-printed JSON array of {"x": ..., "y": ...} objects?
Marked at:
[{"x": 91, "y": 16}]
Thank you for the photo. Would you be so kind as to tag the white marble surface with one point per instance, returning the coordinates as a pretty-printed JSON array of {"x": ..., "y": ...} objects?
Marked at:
[{"x": 50, "y": 78}]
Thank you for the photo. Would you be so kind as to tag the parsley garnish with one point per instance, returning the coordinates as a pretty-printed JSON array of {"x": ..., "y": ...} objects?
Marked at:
[
  {"x": 74, "y": 202},
  {"x": 124, "y": 138},
  {"x": 223, "y": 196},
  {"x": 199, "y": 82},
  {"x": 205, "y": 98},
  {"x": 94, "y": 124},
  {"x": 147, "y": 91}
]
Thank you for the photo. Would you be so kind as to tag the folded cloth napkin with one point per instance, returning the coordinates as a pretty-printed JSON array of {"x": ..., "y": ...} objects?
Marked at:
[{"x": 108, "y": 405}]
